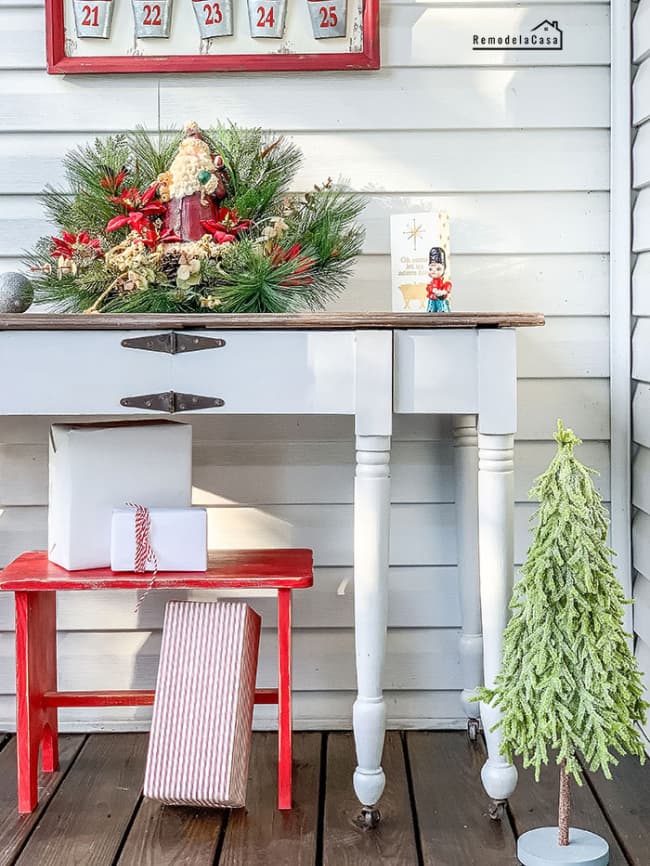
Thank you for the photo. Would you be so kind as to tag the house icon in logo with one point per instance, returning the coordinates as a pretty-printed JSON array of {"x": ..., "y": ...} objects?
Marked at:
[{"x": 549, "y": 34}]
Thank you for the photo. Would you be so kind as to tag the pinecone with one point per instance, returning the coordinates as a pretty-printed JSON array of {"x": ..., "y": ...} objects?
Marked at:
[{"x": 169, "y": 265}]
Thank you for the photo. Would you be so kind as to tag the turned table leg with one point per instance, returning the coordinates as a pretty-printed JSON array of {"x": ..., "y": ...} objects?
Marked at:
[
  {"x": 471, "y": 640},
  {"x": 371, "y": 542},
  {"x": 496, "y": 513}
]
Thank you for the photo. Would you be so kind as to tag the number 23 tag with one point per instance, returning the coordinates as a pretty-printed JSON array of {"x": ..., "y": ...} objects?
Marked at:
[{"x": 214, "y": 17}]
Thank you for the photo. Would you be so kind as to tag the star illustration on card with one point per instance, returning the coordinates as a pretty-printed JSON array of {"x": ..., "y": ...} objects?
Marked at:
[{"x": 414, "y": 232}]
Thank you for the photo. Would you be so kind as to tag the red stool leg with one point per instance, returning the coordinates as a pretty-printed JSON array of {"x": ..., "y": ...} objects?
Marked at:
[
  {"x": 35, "y": 674},
  {"x": 284, "y": 699}
]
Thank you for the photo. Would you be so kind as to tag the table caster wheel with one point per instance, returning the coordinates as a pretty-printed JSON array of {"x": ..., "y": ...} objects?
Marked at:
[
  {"x": 497, "y": 809},
  {"x": 368, "y": 819},
  {"x": 472, "y": 729}
]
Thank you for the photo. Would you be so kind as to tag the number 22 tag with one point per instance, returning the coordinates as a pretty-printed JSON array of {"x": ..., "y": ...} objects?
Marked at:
[{"x": 152, "y": 18}]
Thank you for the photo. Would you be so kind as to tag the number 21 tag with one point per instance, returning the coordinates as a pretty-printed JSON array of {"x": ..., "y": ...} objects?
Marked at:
[{"x": 93, "y": 18}]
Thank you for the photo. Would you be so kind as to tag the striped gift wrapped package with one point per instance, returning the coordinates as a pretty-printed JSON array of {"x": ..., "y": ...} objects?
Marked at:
[{"x": 200, "y": 740}]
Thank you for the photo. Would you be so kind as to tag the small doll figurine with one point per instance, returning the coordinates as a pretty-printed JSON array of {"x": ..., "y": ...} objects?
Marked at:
[
  {"x": 438, "y": 288},
  {"x": 193, "y": 186}
]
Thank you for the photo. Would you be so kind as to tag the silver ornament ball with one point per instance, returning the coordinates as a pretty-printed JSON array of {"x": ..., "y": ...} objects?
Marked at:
[{"x": 16, "y": 293}]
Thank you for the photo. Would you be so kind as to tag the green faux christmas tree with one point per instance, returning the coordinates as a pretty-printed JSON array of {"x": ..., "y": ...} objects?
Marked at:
[{"x": 569, "y": 683}]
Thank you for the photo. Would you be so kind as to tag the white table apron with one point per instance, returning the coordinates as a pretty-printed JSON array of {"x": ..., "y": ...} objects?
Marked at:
[{"x": 468, "y": 372}]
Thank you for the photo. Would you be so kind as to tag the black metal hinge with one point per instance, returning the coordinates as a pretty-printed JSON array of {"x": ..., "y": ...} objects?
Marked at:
[
  {"x": 173, "y": 343},
  {"x": 171, "y": 402}
]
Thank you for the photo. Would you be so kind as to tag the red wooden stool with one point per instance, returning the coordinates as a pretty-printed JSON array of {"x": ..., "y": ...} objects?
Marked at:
[{"x": 35, "y": 582}]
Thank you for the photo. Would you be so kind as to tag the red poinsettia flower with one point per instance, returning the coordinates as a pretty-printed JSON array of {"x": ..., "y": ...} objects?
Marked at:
[
  {"x": 138, "y": 207},
  {"x": 280, "y": 255},
  {"x": 65, "y": 246},
  {"x": 226, "y": 226},
  {"x": 151, "y": 237},
  {"x": 218, "y": 235},
  {"x": 111, "y": 181}
]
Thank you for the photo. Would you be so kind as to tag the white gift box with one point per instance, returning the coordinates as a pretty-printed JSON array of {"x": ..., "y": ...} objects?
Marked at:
[
  {"x": 178, "y": 538},
  {"x": 199, "y": 747},
  {"x": 95, "y": 468}
]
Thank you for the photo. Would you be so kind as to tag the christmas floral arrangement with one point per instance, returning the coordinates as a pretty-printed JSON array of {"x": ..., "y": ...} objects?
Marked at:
[{"x": 198, "y": 221}]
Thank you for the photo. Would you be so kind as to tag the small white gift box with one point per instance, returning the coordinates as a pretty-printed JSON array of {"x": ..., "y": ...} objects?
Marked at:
[
  {"x": 178, "y": 538},
  {"x": 200, "y": 741},
  {"x": 95, "y": 468}
]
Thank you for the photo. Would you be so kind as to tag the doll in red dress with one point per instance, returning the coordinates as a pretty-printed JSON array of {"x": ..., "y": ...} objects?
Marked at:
[{"x": 438, "y": 288}]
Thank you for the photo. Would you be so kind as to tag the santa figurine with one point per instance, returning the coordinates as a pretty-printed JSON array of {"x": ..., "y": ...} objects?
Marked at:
[
  {"x": 438, "y": 288},
  {"x": 192, "y": 187}
]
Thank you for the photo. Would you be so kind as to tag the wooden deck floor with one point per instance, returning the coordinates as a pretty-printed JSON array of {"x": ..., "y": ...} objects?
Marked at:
[{"x": 434, "y": 810}]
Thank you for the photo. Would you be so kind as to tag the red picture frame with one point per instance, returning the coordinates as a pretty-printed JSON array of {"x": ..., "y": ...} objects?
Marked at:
[{"x": 58, "y": 63}]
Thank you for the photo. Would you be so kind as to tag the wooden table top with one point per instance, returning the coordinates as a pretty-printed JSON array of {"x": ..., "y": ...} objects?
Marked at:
[
  {"x": 266, "y": 322},
  {"x": 233, "y": 569}
]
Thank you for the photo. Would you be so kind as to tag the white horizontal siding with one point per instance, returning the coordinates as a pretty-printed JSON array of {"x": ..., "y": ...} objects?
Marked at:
[
  {"x": 575, "y": 282},
  {"x": 441, "y": 160},
  {"x": 412, "y": 35},
  {"x": 516, "y": 148},
  {"x": 482, "y": 223},
  {"x": 492, "y": 98}
]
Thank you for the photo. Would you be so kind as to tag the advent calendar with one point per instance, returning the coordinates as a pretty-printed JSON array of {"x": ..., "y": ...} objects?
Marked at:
[{"x": 211, "y": 35}]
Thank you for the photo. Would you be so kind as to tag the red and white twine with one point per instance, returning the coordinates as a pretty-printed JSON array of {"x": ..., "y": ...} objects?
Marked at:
[{"x": 144, "y": 552}]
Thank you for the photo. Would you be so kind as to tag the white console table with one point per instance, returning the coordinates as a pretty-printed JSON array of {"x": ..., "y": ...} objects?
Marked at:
[{"x": 366, "y": 365}]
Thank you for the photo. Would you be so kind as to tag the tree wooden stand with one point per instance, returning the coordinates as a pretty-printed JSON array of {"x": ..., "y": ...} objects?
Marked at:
[{"x": 541, "y": 847}]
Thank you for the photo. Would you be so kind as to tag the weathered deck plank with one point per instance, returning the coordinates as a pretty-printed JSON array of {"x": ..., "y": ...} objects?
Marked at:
[
  {"x": 85, "y": 823},
  {"x": 451, "y": 806},
  {"x": 172, "y": 836},
  {"x": 392, "y": 842},
  {"x": 91, "y": 814},
  {"x": 15, "y": 828},
  {"x": 535, "y": 805},
  {"x": 626, "y": 803},
  {"x": 260, "y": 834}
]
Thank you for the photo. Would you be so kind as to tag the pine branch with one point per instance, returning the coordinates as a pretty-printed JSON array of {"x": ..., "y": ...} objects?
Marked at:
[
  {"x": 151, "y": 153},
  {"x": 260, "y": 168}
]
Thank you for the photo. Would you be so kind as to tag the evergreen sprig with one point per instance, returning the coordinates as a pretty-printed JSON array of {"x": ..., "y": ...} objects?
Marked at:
[{"x": 568, "y": 682}]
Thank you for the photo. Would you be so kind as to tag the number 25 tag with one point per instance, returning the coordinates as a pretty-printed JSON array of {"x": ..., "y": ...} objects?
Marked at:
[
  {"x": 328, "y": 18},
  {"x": 266, "y": 17}
]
